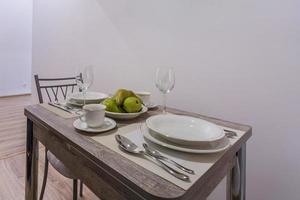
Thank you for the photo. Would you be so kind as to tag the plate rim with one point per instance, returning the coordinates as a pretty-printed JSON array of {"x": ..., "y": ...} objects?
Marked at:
[
  {"x": 74, "y": 103},
  {"x": 148, "y": 124},
  {"x": 144, "y": 110},
  {"x": 114, "y": 124},
  {"x": 81, "y": 99},
  {"x": 148, "y": 136}
]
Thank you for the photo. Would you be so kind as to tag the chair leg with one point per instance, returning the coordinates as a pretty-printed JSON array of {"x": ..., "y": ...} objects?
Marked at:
[
  {"x": 75, "y": 189},
  {"x": 81, "y": 188},
  {"x": 45, "y": 175}
]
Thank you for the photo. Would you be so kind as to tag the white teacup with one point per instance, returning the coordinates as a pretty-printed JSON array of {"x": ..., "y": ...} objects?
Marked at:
[
  {"x": 93, "y": 115},
  {"x": 145, "y": 96}
]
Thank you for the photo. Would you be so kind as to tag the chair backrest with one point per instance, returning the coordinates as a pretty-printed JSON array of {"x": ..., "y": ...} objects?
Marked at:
[{"x": 55, "y": 88}]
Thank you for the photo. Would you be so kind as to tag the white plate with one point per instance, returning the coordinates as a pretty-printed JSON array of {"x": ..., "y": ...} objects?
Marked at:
[
  {"x": 89, "y": 97},
  {"x": 109, "y": 124},
  {"x": 74, "y": 103},
  {"x": 126, "y": 115},
  {"x": 184, "y": 130},
  {"x": 169, "y": 145}
]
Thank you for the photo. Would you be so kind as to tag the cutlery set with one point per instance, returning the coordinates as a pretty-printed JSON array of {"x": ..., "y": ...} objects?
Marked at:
[
  {"x": 64, "y": 107},
  {"x": 148, "y": 152},
  {"x": 157, "y": 155},
  {"x": 128, "y": 146},
  {"x": 60, "y": 107}
]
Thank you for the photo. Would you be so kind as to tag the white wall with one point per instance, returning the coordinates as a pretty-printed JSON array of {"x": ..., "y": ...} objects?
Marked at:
[
  {"x": 236, "y": 60},
  {"x": 15, "y": 46}
]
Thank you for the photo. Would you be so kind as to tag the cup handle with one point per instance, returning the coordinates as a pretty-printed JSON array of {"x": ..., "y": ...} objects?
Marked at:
[{"x": 82, "y": 115}]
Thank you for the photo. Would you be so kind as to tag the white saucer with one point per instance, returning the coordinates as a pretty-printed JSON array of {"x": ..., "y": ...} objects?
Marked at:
[
  {"x": 109, "y": 124},
  {"x": 169, "y": 145}
]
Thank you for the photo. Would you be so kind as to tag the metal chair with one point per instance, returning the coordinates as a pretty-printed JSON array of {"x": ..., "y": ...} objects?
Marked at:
[{"x": 58, "y": 89}]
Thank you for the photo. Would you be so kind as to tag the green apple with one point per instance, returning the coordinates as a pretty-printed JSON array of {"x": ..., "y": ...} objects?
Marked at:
[
  {"x": 122, "y": 94},
  {"x": 132, "y": 104},
  {"x": 112, "y": 106}
]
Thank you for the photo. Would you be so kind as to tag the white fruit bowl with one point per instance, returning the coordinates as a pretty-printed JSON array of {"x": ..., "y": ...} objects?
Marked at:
[{"x": 115, "y": 115}]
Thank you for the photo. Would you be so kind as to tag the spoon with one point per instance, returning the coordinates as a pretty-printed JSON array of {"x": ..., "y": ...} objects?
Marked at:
[
  {"x": 128, "y": 146},
  {"x": 158, "y": 155}
]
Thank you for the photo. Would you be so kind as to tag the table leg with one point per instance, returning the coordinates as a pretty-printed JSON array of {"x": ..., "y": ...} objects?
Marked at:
[
  {"x": 238, "y": 172},
  {"x": 31, "y": 181},
  {"x": 242, "y": 162},
  {"x": 229, "y": 185}
]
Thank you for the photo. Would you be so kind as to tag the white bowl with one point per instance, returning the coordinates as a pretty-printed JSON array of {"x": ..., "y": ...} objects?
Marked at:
[
  {"x": 145, "y": 96},
  {"x": 185, "y": 130},
  {"x": 126, "y": 115},
  {"x": 223, "y": 145}
]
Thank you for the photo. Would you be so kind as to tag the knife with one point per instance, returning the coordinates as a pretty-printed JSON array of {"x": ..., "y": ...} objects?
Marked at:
[{"x": 59, "y": 107}]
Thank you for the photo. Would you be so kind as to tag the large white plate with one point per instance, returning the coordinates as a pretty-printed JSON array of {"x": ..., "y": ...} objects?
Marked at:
[
  {"x": 108, "y": 124},
  {"x": 160, "y": 141},
  {"x": 89, "y": 97},
  {"x": 184, "y": 130},
  {"x": 126, "y": 115}
]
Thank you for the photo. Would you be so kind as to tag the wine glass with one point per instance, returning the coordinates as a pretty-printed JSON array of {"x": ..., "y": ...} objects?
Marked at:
[
  {"x": 84, "y": 79},
  {"x": 165, "y": 81}
]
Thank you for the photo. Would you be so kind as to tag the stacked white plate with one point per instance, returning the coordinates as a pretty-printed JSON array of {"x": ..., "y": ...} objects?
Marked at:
[
  {"x": 77, "y": 98},
  {"x": 184, "y": 133}
]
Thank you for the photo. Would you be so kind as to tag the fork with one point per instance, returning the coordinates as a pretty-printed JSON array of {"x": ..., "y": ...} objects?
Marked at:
[
  {"x": 230, "y": 134},
  {"x": 66, "y": 106}
]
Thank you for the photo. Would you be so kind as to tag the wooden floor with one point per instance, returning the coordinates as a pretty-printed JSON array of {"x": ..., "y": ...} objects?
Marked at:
[
  {"x": 12, "y": 125},
  {"x": 12, "y": 157}
]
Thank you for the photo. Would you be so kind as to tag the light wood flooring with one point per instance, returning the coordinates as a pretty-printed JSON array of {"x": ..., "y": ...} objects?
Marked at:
[
  {"x": 12, "y": 157},
  {"x": 12, "y": 125}
]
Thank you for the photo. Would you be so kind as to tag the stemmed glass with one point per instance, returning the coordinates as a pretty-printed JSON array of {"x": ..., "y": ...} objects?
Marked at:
[
  {"x": 84, "y": 79},
  {"x": 165, "y": 81}
]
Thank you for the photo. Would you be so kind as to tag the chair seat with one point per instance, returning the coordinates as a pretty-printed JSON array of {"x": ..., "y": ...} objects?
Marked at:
[{"x": 59, "y": 166}]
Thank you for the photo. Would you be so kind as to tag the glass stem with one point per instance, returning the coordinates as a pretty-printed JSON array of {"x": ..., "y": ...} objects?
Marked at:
[
  {"x": 83, "y": 93},
  {"x": 164, "y": 103}
]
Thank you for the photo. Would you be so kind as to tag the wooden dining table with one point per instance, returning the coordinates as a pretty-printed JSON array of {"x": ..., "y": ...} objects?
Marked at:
[{"x": 111, "y": 176}]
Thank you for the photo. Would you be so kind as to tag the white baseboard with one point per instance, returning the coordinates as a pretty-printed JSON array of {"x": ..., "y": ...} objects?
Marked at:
[{"x": 14, "y": 95}]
